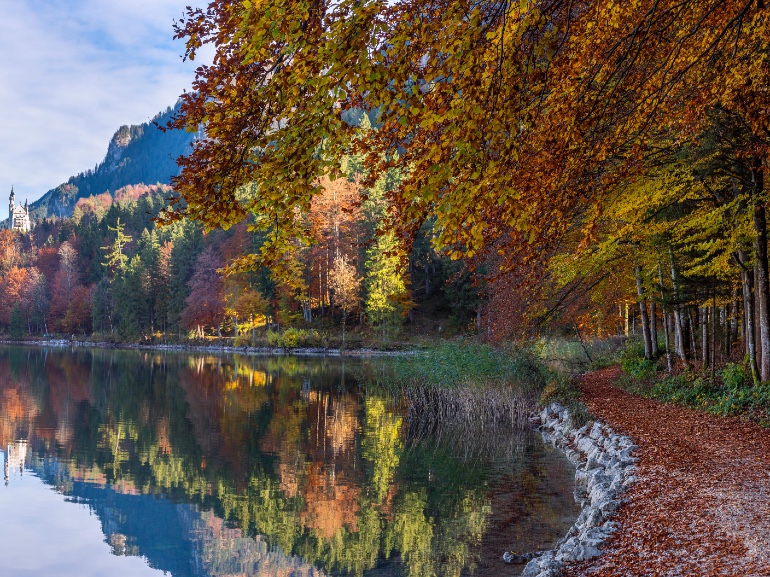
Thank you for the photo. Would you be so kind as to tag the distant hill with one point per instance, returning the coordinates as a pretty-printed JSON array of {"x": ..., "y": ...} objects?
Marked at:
[{"x": 140, "y": 154}]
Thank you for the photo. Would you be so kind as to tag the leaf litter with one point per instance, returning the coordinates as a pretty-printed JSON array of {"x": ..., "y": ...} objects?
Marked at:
[{"x": 701, "y": 505}]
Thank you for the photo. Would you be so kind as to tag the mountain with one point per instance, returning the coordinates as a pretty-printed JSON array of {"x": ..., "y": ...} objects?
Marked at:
[{"x": 137, "y": 154}]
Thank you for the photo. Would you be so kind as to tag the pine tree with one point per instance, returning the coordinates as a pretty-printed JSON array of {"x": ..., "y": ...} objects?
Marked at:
[
  {"x": 17, "y": 323},
  {"x": 116, "y": 258},
  {"x": 187, "y": 239}
]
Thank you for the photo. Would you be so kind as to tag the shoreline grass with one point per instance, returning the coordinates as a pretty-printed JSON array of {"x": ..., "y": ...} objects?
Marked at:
[{"x": 468, "y": 387}]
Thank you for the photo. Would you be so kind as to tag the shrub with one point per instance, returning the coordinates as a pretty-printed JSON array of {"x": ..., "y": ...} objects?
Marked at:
[
  {"x": 274, "y": 338},
  {"x": 634, "y": 364},
  {"x": 242, "y": 340},
  {"x": 734, "y": 375},
  {"x": 293, "y": 338}
]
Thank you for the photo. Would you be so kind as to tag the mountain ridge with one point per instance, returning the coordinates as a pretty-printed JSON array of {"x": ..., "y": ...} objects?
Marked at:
[{"x": 136, "y": 154}]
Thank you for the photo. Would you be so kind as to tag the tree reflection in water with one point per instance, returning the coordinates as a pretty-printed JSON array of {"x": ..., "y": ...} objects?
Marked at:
[{"x": 235, "y": 465}]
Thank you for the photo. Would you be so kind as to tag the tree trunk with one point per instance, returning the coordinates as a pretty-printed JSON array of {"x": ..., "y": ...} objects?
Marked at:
[
  {"x": 653, "y": 327},
  {"x": 748, "y": 315},
  {"x": 665, "y": 317},
  {"x": 643, "y": 312},
  {"x": 734, "y": 324},
  {"x": 762, "y": 284},
  {"x": 620, "y": 319},
  {"x": 713, "y": 334},
  {"x": 693, "y": 330},
  {"x": 321, "y": 289},
  {"x": 678, "y": 337},
  {"x": 704, "y": 326},
  {"x": 627, "y": 327}
]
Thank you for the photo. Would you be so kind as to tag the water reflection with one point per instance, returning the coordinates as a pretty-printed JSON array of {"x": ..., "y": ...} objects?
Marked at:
[{"x": 208, "y": 465}]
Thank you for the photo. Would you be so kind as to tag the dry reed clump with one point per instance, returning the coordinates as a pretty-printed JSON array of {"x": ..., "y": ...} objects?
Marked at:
[
  {"x": 460, "y": 391},
  {"x": 490, "y": 408},
  {"x": 473, "y": 421}
]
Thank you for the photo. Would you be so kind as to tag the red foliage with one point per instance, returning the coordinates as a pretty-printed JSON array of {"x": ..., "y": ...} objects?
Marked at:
[
  {"x": 11, "y": 288},
  {"x": 205, "y": 304},
  {"x": 77, "y": 316},
  {"x": 47, "y": 262},
  {"x": 94, "y": 204},
  {"x": 136, "y": 191}
]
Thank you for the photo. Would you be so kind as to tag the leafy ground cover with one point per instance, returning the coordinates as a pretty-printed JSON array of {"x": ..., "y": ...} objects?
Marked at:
[
  {"x": 700, "y": 505},
  {"x": 730, "y": 392}
]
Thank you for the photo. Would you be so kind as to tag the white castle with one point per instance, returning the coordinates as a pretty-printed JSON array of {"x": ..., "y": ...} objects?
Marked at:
[
  {"x": 18, "y": 216},
  {"x": 15, "y": 457}
]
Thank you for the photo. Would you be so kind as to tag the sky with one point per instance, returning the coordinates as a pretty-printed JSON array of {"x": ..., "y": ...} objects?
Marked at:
[{"x": 71, "y": 73}]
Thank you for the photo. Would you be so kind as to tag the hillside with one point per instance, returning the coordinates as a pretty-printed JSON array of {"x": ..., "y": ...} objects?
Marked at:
[{"x": 136, "y": 154}]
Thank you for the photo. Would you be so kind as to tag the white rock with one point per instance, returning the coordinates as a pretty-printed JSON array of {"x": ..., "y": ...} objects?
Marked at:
[{"x": 605, "y": 466}]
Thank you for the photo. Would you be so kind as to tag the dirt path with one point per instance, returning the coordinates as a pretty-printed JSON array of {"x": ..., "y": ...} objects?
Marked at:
[{"x": 702, "y": 502}]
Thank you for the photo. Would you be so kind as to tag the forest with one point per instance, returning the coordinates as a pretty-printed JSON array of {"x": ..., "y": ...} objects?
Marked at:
[
  {"x": 109, "y": 272},
  {"x": 600, "y": 165},
  {"x": 511, "y": 169}
]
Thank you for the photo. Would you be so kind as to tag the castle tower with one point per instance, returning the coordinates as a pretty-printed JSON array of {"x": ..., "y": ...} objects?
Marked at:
[
  {"x": 10, "y": 209},
  {"x": 18, "y": 216}
]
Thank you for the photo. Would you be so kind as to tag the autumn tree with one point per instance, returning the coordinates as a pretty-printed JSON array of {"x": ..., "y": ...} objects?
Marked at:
[
  {"x": 387, "y": 298},
  {"x": 346, "y": 284},
  {"x": 11, "y": 287},
  {"x": 66, "y": 287},
  {"x": 205, "y": 303},
  {"x": 35, "y": 300}
]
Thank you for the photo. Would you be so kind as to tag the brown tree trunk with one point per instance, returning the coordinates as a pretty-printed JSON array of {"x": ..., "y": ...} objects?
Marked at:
[
  {"x": 734, "y": 324},
  {"x": 665, "y": 317},
  {"x": 678, "y": 337},
  {"x": 762, "y": 287},
  {"x": 653, "y": 327},
  {"x": 643, "y": 312},
  {"x": 713, "y": 334},
  {"x": 748, "y": 314},
  {"x": 627, "y": 319},
  {"x": 693, "y": 330},
  {"x": 704, "y": 327},
  {"x": 620, "y": 319}
]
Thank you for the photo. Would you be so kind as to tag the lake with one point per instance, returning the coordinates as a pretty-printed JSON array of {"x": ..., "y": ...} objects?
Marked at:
[{"x": 133, "y": 463}]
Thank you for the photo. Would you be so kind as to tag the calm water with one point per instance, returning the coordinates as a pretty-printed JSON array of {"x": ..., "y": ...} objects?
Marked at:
[{"x": 129, "y": 463}]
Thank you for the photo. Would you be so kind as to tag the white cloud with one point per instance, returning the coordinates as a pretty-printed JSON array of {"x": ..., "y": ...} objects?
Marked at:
[{"x": 71, "y": 73}]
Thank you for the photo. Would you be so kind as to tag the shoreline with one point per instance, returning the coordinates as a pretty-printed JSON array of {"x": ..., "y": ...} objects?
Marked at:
[
  {"x": 220, "y": 349},
  {"x": 604, "y": 469}
]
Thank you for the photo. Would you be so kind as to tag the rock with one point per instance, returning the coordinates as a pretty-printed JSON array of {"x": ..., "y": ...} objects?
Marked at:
[
  {"x": 595, "y": 518},
  {"x": 586, "y": 552},
  {"x": 519, "y": 559},
  {"x": 609, "y": 507},
  {"x": 605, "y": 466}
]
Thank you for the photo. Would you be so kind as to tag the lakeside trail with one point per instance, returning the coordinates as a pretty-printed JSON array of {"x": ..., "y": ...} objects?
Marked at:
[{"x": 701, "y": 505}]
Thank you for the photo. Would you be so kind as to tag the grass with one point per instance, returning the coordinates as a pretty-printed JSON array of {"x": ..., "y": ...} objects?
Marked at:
[
  {"x": 468, "y": 387},
  {"x": 455, "y": 364},
  {"x": 571, "y": 357}
]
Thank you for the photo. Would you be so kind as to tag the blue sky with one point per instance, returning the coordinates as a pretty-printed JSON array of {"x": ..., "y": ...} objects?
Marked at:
[{"x": 71, "y": 73}]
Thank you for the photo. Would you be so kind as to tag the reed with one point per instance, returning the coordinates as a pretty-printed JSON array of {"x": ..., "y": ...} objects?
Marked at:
[{"x": 468, "y": 389}]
